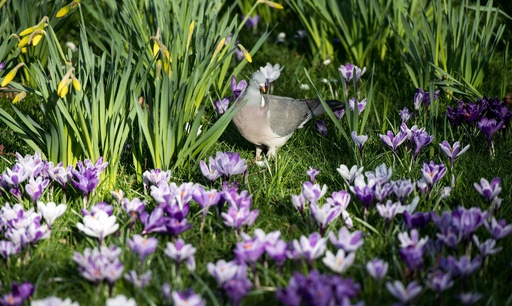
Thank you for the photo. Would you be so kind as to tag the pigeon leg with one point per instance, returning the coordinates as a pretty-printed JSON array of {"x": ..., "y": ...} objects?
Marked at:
[
  {"x": 271, "y": 153},
  {"x": 259, "y": 150}
]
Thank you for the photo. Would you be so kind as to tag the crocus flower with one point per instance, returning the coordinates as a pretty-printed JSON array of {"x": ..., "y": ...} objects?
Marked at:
[
  {"x": 439, "y": 281},
  {"x": 365, "y": 191},
  {"x": 405, "y": 115},
  {"x": 416, "y": 220},
  {"x": 325, "y": 214},
  {"x": 87, "y": 177},
  {"x": 133, "y": 207},
  {"x": 252, "y": 22},
  {"x": 349, "y": 175},
  {"x": 412, "y": 249},
  {"x": 187, "y": 298},
  {"x": 272, "y": 73},
  {"x": 206, "y": 198},
  {"x": 421, "y": 139},
  {"x": 359, "y": 140},
  {"x": 139, "y": 281},
  {"x": 361, "y": 105},
  {"x": 463, "y": 266},
  {"x": 313, "y": 192},
  {"x": 8, "y": 248},
  {"x": 120, "y": 300},
  {"x": 229, "y": 164},
  {"x": 403, "y": 294},
  {"x": 350, "y": 242},
  {"x": 249, "y": 250},
  {"x": 238, "y": 287},
  {"x": 50, "y": 211},
  {"x": 432, "y": 173},
  {"x": 377, "y": 268},
  {"x": 142, "y": 246},
  {"x": 221, "y": 106},
  {"x": 236, "y": 216},
  {"x": 489, "y": 190},
  {"x": 312, "y": 173},
  {"x": 452, "y": 152},
  {"x": 180, "y": 251},
  {"x": 393, "y": 141},
  {"x": 402, "y": 189},
  {"x": 100, "y": 264},
  {"x": 321, "y": 127},
  {"x": 498, "y": 229},
  {"x": 155, "y": 177},
  {"x": 35, "y": 187},
  {"x": 223, "y": 271},
  {"x": 18, "y": 295},
  {"x": 176, "y": 227},
  {"x": 54, "y": 301},
  {"x": 388, "y": 210},
  {"x": 419, "y": 97},
  {"x": 98, "y": 225},
  {"x": 487, "y": 247},
  {"x": 469, "y": 298},
  {"x": 489, "y": 127},
  {"x": 310, "y": 248},
  {"x": 340, "y": 262},
  {"x": 154, "y": 222},
  {"x": 347, "y": 71},
  {"x": 298, "y": 202},
  {"x": 237, "y": 89}
]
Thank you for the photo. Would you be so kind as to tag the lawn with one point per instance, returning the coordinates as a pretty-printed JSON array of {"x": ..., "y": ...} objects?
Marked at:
[{"x": 124, "y": 182}]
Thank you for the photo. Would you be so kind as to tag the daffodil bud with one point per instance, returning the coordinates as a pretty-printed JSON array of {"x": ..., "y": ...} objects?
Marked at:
[
  {"x": 20, "y": 96},
  {"x": 218, "y": 48},
  {"x": 11, "y": 74},
  {"x": 271, "y": 4},
  {"x": 39, "y": 26},
  {"x": 246, "y": 53},
  {"x": 76, "y": 83},
  {"x": 67, "y": 8},
  {"x": 190, "y": 32},
  {"x": 63, "y": 88}
]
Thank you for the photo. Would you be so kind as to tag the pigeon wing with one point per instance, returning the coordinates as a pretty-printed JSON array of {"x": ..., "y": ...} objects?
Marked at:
[{"x": 287, "y": 114}]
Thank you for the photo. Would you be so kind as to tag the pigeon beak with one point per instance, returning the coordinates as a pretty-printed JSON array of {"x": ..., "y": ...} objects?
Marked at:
[{"x": 263, "y": 88}]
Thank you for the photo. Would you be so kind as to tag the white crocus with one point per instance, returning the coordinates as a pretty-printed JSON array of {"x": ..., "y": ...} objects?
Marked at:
[
  {"x": 98, "y": 225},
  {"x": 340, "y": 262},
  {"x": 51, "y": 211}
]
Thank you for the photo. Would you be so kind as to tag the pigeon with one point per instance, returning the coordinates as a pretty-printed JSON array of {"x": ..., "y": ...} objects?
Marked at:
[{"x": 268, "y": 121}]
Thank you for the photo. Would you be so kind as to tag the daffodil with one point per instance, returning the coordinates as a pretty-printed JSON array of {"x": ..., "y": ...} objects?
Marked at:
[
  {"x": 159, "y": 47},
  {"x": 68, "y": 79},
  {"x": 271, "y": 4},
  {"x": 66, "y": 9},
  {"x": 246, "y": 53},
  {"x": 20, "y": 96},
  {"x": 32, "y": 35},
  {"x": 190, "y": 32},
  {"x": 11, "y": 74},
  {"x": 218, "y": 48}
]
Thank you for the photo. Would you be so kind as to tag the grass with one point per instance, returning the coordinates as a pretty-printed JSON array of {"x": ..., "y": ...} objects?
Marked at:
[{"x": 49, "y": 263}]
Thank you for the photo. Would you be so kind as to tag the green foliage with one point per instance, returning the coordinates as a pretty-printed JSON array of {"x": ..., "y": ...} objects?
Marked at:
[{"x": 454, "y": 46}]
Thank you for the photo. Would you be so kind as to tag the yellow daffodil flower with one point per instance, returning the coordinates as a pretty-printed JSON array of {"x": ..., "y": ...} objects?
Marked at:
[
  {"x": 246, "y": 53},
  {"x": 20, "y": 96},
  {"x": 68, "y": 79},
  {"x": 218, "y": 48},
  {"x": 32, "y": 35},
  {"x": 10, "y": 75},
  {"x": 66, "y": 9},
  {"x": 40, "y": 26}
]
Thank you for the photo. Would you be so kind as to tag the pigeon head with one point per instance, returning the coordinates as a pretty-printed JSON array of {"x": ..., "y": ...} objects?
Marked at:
[{"x": 258, "y": 80}]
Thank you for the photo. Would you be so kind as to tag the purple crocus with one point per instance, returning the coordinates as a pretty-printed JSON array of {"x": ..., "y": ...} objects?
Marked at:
[
  {"x": 312, "y": 173},
  {"x": 325, "y": 214},
  {"x": 313, "y": 192},
  {"x": 349, "y": 71},
  {"x": 439, "y": 281},
  {"x": 365, "y": 191},
  {"x": 432, "y": 173},
  {"x": 487, "y": 247},
  {"x": 35, "y": 187},
  {"x": 87, "y": 177},
  {"x": 389, "y": 210},
  {"x": 416, "y": 220},
  {"x": 2, "y": 66},
  {"x": 206, "y": 198},
  {"x": 421, "y": 138},
  {"x": 221, "y": 106},
  {"x": 321, "y": 127},
  {"x": 412, "y": 249},
  {"x": 402, "y": 293},
  {"x": 180, "y": 251},
  {"x": 310, "y": 248},
  {"x": 210, "y": 171},
  {"x": 350, "y": 242},
  {"x": 155, "y": 177},
  {"x": 188, "y": 298},
  {"x": 252, "y": 22},
  {"x": 249, "y": 250},
  {"x": 223, "y": 271},
  {"x": 402, "y": 189},
  {"x": 452, "y": 151},
  {"x": 489, "y": 190},
  {"x": 154, "y": 222},
  {"x": 8, "y": 248},
  {"x": 469, "y": 298},
  {"x": 489, "y": 127},
  {"x": 463, "y": 266},
  {"x": 361, "y": 105},
  {"x": 498, "y": 229},
  {"x": 100, "y": 264},
  {"x": 271, "y": 73},
  {"x": 176, "y": 227},
  {"x": 405, "y": 114},
  {"x": 133, "y": 208},
  {"x": 139, "y": 281},
  {"x": 359, "y": 140},
  {"x": 142, "y": 246},
  {"x": 229, "y": 164},
  {"x": 394, "y": 141},
  {"x": 237, "y": 89},
  {"x": 377, "y": 268},
  {"x": 18, "y": 295}
]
